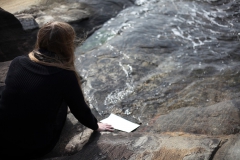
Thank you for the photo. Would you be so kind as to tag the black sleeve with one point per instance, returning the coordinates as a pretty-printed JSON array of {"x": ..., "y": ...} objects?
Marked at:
[{"x": 75, "y": 100}]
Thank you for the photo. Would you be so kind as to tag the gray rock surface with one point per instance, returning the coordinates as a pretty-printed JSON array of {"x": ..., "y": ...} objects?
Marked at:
[
  {"x": 86, "y": 16},
  {"x": 171, "y": 66},
  {"x": 141, "y": 67},
  {"x": 218, "y": 119},
  {"x": 68, "y": 12},
  {"x": 229, "y": 150},
  {"x": 134, "y": 146},
  {"x": 27, "y": 21}
]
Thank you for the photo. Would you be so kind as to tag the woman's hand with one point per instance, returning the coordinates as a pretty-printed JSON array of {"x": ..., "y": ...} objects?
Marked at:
[{"x": 105, "y": 127}]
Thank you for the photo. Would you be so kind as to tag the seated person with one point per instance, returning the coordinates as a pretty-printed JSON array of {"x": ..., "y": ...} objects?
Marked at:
[{"x": 38, "y": 89}]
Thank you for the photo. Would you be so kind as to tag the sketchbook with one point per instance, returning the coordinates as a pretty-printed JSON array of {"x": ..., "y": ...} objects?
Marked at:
[{"x": 120, "y": 123}]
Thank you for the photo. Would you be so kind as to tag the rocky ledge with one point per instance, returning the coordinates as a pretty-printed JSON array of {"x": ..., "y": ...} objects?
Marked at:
[{"x": 171, "y": 66}]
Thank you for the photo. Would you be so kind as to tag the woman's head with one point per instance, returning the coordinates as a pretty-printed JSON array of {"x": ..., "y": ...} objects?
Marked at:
[{"x": 57, "y": 37}]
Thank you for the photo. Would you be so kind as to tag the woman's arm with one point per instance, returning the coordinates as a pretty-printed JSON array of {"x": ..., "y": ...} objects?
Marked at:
[{"x": 75, "y": 100}]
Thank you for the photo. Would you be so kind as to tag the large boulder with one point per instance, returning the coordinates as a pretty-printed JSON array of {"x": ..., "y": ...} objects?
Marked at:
[
  {"x": 162, "y": 56},
  {"x": 85, "y": 16},
  {"x": 171, "y": 66},
  {"x": 12, "y": 35},
  {"x": 64, "y": 12}
]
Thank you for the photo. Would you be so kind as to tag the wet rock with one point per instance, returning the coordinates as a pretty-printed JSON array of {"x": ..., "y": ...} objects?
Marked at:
[
  {"x": 85, "y": 16},
  {"x": 171, "y": 66},
  {"x": 133, "y": 146},
  {"x": 27, "y": 21},
  {"x": 140, "y": 66},
  {"x": 68, "y": 12},
  {"x": 175, "y": 73}
]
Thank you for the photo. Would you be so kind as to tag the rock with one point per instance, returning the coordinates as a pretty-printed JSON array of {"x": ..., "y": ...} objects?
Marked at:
[
  {"x": 85, "y": 16},
  {"x": 140, "y": 67},
  {"x": 229, "y": 150},
  {"x": 133, "y": 146},
  {"x": 17, "y": 6},
  {"x": 219, "y": 119},
  {"x": 68, "y": 12},
  {"x": 171, "y": 66},
  {"x": 27, "y": 21},
  {"x": 14, "y": 41},
  {"x": 3, "y": 72},
  {"x": 11, "y": 34}
]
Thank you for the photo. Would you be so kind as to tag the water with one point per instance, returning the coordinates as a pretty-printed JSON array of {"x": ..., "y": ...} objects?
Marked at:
[{"x": 159, "y": 56}]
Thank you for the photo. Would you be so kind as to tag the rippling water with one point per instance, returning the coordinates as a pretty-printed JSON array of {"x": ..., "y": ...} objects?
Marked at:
[{"x": 161, "y": 55}]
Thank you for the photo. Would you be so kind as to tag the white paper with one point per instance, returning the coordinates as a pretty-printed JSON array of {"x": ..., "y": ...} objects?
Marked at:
[{"x": 120, "y": 123}]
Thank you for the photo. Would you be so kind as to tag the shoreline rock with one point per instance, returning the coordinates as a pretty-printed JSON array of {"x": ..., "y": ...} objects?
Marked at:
[
  {"x": 171, "y": 66},
  {"x": 132, "y": 146},
  {"x": 11, "y": 37},
  {"x": 27, "y": 21}
]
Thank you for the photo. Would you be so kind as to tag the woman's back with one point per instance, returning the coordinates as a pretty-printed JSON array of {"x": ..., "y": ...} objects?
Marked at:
[{"x": 30, "y": 103}]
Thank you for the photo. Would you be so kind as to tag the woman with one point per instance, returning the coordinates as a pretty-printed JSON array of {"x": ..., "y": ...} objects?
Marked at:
[{"x": 39, "y": 87}]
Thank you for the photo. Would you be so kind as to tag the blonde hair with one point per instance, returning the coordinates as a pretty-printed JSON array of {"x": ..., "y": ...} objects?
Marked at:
[{"x": 57, "y": 38}]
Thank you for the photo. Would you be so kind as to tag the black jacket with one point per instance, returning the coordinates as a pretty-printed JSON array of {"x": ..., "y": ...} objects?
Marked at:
[{"x": 30, "y": 103}]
